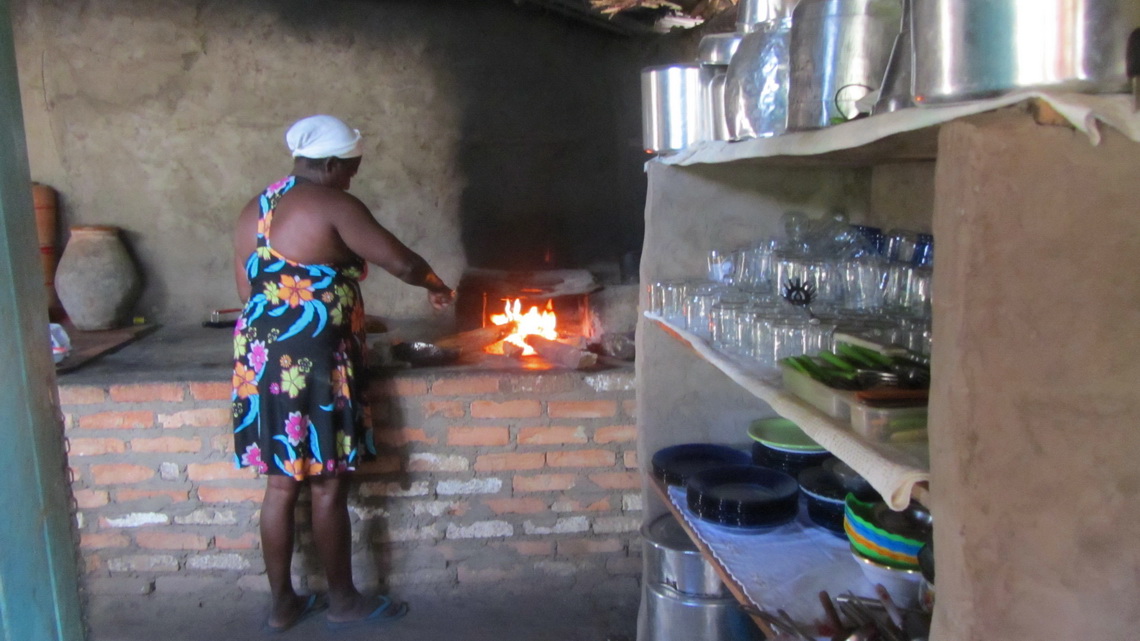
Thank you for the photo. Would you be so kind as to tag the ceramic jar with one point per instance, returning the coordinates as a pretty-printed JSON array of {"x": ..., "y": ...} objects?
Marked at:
[{"x": 96, "y": 280}]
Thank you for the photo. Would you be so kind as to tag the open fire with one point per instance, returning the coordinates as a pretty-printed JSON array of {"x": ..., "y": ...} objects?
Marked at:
[{"x": 532, "y": 323}]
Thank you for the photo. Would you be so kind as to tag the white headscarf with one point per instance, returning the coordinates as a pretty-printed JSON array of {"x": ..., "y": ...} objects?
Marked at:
[{"x": 323, "y": 137}]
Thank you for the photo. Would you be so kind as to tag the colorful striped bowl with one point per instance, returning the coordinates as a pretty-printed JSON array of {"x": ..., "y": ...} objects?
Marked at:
[{"x": 875, "y": 543}]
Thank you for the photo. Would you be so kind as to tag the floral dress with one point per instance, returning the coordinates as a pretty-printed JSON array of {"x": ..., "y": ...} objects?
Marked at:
[{"x": 298, "y": 347}]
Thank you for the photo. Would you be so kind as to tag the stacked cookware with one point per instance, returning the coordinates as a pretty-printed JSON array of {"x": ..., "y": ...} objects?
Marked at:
[
  {"x": 798, "y": 65},
  {"x": 683, "y": 597}
]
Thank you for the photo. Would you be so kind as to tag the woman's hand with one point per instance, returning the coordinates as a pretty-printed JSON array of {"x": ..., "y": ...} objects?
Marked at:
[{"x": 440, "y": 299}]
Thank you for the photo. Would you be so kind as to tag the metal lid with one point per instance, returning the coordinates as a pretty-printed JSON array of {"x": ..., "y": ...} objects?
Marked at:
[{"x": 665, "y": 532}]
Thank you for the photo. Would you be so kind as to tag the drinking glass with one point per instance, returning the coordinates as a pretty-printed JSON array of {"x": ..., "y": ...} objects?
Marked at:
[
  {"x": 864, "y": 281},
  {"x": 824, "y": 274},
  {"x": 918, "y": 298},
  {"x": 724, "y": 326},
  {"x": 721, "y": 266},
  {"x": 896, "y": 294},
  {"x": 673, "y": 302},
  {"x": 790, "y": 267},
  {"x": 819, "y": 337},
  {"x": 789, "y": 337},
  {"x": 901, "y": 244},
  {"x": 698, "y": 308}
]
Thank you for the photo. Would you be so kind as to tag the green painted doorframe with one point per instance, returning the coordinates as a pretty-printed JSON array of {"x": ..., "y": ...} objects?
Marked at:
[{"x": 39, "y": 595}]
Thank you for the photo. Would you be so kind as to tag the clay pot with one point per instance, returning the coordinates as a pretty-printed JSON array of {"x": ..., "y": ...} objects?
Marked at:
[
  {"x": 46, "y": 201},
  {"x": 96, "y": 280}
]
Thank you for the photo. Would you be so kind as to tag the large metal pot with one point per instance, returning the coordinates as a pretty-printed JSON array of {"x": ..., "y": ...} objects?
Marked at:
[
  {"x": 669, "y": 615},
  {"x": 753, "y": 14},
  {"x": 839, "y": 53},
  {"x": 671, "y": 559},
  {"x": 672, "y": 107},
  {"x": 967, "y": 49}
]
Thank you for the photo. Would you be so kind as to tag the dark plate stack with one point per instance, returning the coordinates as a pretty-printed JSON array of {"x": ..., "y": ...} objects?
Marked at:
[
  {"x": 743, "y": 496},
  {"x": 824, "y": 497},
  {"x": 675, "y": 464}
]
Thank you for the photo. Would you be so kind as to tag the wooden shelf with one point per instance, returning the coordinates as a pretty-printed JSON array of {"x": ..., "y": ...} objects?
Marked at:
[{"x": 899, "y": 472}]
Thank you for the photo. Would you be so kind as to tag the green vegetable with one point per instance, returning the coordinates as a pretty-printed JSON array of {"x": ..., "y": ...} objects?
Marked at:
[
  {"x": 838, "y": 362},
  {"x": 795, "y": 364},
  {"x": 882, "y": 360},
  {"x": 855, "y": 355}
]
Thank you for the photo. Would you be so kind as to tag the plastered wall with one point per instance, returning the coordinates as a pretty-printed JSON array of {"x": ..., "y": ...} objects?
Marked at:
[{"x": 495, "y": 134}]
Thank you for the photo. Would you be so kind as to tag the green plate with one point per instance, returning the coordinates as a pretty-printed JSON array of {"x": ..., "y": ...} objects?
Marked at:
[{"x": 782, "y": 434}]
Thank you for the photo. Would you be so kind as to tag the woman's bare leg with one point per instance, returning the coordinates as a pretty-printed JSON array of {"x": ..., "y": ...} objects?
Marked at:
[
  {"x": 277, "y": 535},
  {"x": 333, "y": 536}
]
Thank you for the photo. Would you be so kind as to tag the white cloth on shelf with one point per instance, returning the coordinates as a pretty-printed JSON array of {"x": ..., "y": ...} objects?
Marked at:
[
  {"x": 783, "y": 568},
  {"x": 1084, "y": 111}
]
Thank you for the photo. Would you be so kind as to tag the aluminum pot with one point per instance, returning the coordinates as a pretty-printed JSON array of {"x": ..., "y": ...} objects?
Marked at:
[
  {"x": 968, "y": 49},
  {"x": 672, "y": 616},
  {"x": 839, "y": 54},
  {"x": 752, "y": 14},
  {"x": 671, "y": 559},
  {"x": 672, "y": 107}
]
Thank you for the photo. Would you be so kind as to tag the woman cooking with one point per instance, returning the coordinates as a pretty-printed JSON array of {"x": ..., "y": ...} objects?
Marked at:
[{"x": 300, "y": 248}]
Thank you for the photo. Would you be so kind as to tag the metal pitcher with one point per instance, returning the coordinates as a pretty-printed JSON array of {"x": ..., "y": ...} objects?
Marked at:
[
  {"x": 968, "y": 49},
  {"x": 839, "y": 53}
]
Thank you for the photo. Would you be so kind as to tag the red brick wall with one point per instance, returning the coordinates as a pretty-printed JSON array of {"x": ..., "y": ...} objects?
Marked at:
[{"x": 481, "y": 477}]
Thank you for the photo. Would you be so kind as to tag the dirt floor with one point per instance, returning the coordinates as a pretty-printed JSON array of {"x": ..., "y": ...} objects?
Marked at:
[{"x": 486, "y": 613}]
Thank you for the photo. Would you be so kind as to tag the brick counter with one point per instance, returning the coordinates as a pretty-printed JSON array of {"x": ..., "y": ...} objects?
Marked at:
[{"x": 482, "y": 476}]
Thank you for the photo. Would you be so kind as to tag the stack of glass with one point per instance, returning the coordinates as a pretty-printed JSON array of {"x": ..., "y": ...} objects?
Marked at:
[{"x": 864, "y": 281}]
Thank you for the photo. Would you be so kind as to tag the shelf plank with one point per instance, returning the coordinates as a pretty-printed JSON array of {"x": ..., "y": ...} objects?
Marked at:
[
  {"x": 902, "y": 136},
  {"x": 899, "y": 473}
]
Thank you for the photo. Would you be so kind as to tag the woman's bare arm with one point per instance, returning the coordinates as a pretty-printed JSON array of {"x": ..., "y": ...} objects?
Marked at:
[{"x": 369, "y": 240}]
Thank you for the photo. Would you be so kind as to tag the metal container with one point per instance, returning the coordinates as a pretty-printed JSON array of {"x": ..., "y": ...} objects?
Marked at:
[
  {"x": 716, "y": 122},
  {"x": 672, "y": 560},
  {"x": 895, "y": 93},
  {"x": 839, "y": 54},
  {"x": 752, "y": 14},
  {"x": 718, "y": 48},
  {"x": 968, "y": 49},
  {"x": 756, "y": 90},
  {"x": 672, "y": 107},
  {"x": 669, "y": 615}
]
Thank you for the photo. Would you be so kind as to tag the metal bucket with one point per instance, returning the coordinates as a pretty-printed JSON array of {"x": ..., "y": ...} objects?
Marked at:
[
  {"x": 669, "y": 615},
  {"x": 672, "y": 107},
  {"x": 672, "y": 560},
  {"x": 967, "y": 49},
  {"x": 839, "y": 54}
]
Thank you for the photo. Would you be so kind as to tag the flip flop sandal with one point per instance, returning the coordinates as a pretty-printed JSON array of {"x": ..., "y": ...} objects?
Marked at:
[
  {"x": 314, "y": 605},
  {"x": 386, "y": 612}
]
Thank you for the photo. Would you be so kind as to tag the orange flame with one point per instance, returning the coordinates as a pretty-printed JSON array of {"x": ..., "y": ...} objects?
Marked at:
[{"x": 532, "y": 322}]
